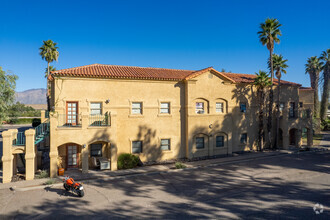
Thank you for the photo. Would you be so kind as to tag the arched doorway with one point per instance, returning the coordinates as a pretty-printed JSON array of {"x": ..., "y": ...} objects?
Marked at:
[
  {"x": 69, "y": 156},
  {"x": 292, "y": 136}
]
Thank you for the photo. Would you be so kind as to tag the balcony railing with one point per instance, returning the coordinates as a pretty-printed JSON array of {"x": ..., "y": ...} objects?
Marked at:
[
  {"x": 20, "y": 139},
  {"x": 100, "y": 120},
  {"x": 65, "y": 120}
]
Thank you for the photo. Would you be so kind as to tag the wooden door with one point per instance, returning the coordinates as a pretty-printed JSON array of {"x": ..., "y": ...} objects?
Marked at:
[
  {"x": 72, "y": 113},
  {"x": 72, "y": 156}
]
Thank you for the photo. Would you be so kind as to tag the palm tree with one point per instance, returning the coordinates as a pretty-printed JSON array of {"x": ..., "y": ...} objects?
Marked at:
[
  {"x": 325, "y": 56},
  {"x": 51, "y": 68},
  {"x": 48, "y": 51},
  {"x": 279, "y": 65},
  {"x": 262, "y": 81},
  {"x": 313, "y": 68},
  {"x": 268, "y": 35}
]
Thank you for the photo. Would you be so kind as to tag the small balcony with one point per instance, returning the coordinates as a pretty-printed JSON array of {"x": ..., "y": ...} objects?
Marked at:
[
  {"x": 65, "y": 120},
  {"x": 100, "y": 120}
]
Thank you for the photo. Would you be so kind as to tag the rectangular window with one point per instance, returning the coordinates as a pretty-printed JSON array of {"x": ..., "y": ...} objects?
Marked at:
[
  {"x": 199, "y": 142},
  {"x": 96, "y": 150},
  {"x": 242, "y": 107},
  {"x": 165, "y": 144},
  {"x": 220, "y": 141},
  {"x": 300, "y": 105},
  {"x": 219, "y": 107},
  {"x": 165, "y": 108},
  {"x": 137, "y": 108},
  {"x": 243, "y": 138},
  {"x": 96, "y": 108},
  {"x": 292, "y": 110},
  {"x": 281, "y": 106},
  {"x": 199, "y": 107},
  {"x": 136, "y": 147}
]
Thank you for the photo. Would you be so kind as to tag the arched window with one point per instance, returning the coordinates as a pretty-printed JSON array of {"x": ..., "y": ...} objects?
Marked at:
[
  {"x": 201, "y": 106},
  {"x": 221, "y": 106}
]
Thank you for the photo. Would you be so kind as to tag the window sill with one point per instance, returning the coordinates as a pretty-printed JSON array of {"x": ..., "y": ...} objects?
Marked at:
[
  {"x": 167, "y": 151},
  {"x": 164, "y": 115},
  {"x": 68, "y": 128},
  {"x": 98, "y": 127},
  {"x": 136, "y": 116}
]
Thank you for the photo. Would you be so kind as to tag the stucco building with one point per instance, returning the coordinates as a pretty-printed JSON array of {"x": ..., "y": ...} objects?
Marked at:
[{"x": 161, "y": 114}]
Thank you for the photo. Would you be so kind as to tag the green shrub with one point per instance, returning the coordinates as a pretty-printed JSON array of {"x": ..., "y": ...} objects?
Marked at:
[
  {"x": 325, "y": 125},
  {"x": 127, "y": 161},
  {"x": 42, "y": 174},
  {"x": 50, "y": 182},
  {"x": 179, "y": 165}
]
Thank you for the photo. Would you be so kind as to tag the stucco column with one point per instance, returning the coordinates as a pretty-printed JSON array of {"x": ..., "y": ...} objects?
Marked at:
[
  {"x": 211, "y": 145},
  {"x": 43, "y": 116},
  {"x": 114, "y": 156},
  {"x": 309, "y": 137},
  {"x": 30, "y": 154},
  {"x": 7, "y": 156},
  {"x": 113, "y": 142},
  {"x": 84, "y": 120},
  {"x": 298, "y": 138},
  {"x": 53, "y": 152},
  {"x": 84, "y": 158},
  {"x": 230, "y": 143}
]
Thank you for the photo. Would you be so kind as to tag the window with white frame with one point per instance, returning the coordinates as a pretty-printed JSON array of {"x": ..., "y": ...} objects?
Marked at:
[
  {"x": 281, "y": 106},
  {"x": 220, "y": 141},
  {"x": 199, "y": 142},
  {"x": 243, "y": 139},
  {"x": 219, "y": 107},
  {"x": 96, "y": 108},
  {"x": 96, "y": 150},
  {"x": 165, "y": 144},
  {"x": 137, "y": 108},
  {"x": 200, "y": 108},
  {"x": 165, "y": 108},
  {"x": 136, "y": 147},
  {"x": 242, "y": 107}
]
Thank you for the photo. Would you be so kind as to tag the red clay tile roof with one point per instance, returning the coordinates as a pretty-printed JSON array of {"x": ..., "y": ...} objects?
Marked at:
[
  {"x": 131, "y": 72},
  {"x": 124, "y": 72},
  {"x": 249, "y": 78}
]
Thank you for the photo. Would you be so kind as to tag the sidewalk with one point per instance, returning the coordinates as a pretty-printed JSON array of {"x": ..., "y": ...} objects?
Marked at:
[{"x": 155, "y": 169}]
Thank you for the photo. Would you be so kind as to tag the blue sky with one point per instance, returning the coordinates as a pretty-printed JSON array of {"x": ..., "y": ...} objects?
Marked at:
[{"x": 169, "y": 34}]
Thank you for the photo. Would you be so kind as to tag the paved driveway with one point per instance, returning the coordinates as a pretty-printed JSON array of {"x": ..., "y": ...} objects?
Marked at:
[{"x": 284, "y": 187}]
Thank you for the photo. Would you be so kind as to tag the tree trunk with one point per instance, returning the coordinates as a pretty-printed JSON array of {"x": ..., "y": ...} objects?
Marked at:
[
  {"x": 261, "y": 119},
  {"x": 325, "y": 94},
  {"x": 278, "y": 114},
  {"x": 271, "y": 101},
  {"x": 316, "y": 95},
  {"x": 48, "y": 99}
]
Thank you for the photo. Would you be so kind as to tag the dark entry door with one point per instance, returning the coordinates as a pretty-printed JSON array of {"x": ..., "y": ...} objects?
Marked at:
[
  {"x": 292, "y": 135},
  {"x": 72, "y": 156}
]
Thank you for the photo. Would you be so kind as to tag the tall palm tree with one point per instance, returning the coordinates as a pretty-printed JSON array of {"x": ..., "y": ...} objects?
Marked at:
[
  {"x": 325, "y": 56},
  {"x": 262, "y": 81},
  {"x": 51, "y": 68},
  {"x": 313, "y": 68},
  {"x": 48, "y": 51},
  {"x": 268, "y": 35},
  {"x": 279, "y": 65}
]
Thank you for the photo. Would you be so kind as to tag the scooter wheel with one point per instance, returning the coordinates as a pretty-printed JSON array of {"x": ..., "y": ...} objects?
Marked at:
[
  {"x": 81, "y": 193},
  {"x": 66, "y": 187}
]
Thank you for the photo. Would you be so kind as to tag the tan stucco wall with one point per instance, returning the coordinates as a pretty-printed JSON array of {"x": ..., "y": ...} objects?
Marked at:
[{"x": 151, "y": 126}]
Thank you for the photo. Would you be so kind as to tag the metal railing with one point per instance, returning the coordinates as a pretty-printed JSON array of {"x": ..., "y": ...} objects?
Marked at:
[
  {"x": 20, "y": 139},
  {"x": 42, "y": 130},
  {"x": 46, "y": 114},
  {"x": 65, "y": 120},
  {"x": 100, "y": 120}
]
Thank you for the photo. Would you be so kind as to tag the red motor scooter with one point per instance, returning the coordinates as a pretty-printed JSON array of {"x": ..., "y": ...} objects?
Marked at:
[{"x": 70, "y": 185}]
